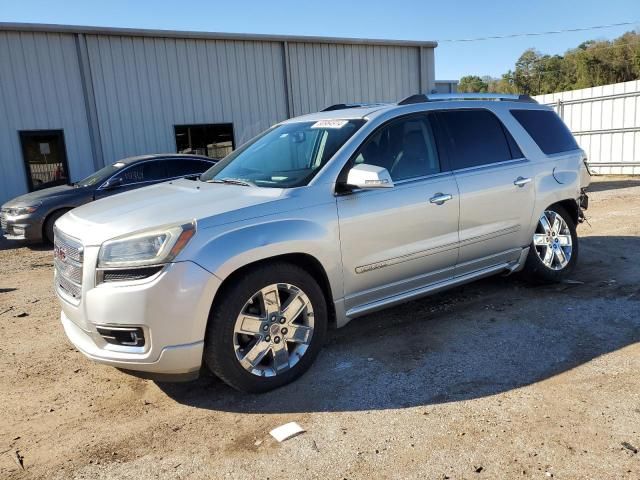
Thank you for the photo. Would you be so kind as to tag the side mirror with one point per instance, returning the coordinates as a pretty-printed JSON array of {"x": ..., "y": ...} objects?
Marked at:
[
  {"x": 367, "y": 176},
  {"x": 113, "y": 183}
]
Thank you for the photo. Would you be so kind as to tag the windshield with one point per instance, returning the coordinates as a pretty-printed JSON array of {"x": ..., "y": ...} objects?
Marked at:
[
  {"x": 285, "y": 156},
  {"x": 101, "y": 175}
]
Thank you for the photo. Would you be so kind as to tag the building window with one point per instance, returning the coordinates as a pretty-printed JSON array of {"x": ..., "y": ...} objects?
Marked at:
[
  {"x": 213, "y": 140},
  {"x": 45, "y": 158}
]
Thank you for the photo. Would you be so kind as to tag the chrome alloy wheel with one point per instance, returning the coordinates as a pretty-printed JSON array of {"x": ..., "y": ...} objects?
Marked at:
[
  {"x": 273, "y": 330},
  {"x": 552, "y": 241}
]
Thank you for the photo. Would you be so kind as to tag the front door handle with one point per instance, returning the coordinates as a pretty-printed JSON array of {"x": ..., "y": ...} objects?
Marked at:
[
  {"x": 440, "y": 198},
  {"x": 521, "y": 181}
]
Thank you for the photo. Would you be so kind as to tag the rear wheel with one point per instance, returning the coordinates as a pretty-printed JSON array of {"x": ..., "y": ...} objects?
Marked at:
[
  {"x": 554, "y": 247},
  {"x": 267, "y": 328},
  {"x": 50, "y": 221}
]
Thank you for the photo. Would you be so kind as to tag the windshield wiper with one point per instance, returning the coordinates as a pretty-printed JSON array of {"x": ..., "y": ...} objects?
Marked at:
[{"x": 232, "y": 181}]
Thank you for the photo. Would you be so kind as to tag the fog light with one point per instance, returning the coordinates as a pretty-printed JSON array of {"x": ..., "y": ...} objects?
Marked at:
[
  {"x": 124, "y": 336},
  {"x": 18, "y": 231}
]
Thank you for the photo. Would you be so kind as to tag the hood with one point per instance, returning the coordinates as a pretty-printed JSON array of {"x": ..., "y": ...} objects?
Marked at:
[
  {"x": 40, "y": 196},
  {"x": 165, "y": 203}
]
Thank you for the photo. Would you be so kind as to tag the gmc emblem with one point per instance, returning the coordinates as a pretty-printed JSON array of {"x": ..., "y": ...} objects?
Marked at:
[{"x": 59, "y": 254}]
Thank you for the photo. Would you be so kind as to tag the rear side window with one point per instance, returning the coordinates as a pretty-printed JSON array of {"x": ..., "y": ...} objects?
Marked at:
[
  {"x": 143, "y": 172},
  {"x": 547, "y": 130},
  {"x": 477, "y": 137}
]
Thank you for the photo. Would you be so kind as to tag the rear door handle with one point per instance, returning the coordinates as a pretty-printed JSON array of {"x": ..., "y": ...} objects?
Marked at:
[
  {"x": 440, "y": 198},
  {"x": 521, "y": 181}
]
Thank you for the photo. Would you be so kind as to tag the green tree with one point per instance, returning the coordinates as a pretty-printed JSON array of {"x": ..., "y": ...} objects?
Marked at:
[
  {"x": 505, "y": 84},
  {"x": 590, "y": 64},
  {"x": 527, "y": 76},
  {"x": 472, "y": 84}
]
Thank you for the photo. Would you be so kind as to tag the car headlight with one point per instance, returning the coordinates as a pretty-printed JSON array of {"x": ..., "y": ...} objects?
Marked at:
[
  {"x": 23, "y": 210},
  {"x": 148, "y": 247}
]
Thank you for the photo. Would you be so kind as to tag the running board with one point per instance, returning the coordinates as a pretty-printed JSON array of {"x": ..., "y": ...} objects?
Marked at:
[{"x": 429, "y": 289}]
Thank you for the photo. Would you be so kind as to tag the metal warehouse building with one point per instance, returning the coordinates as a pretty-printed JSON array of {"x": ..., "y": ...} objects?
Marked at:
[{"x": 73, "y": 99}]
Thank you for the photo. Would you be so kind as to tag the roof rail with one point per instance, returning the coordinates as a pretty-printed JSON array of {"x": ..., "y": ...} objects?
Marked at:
[
  {"x": 343, "y": 106},
  {"x": 435, "y": 97},
  {"x": 417, "y": 98}
]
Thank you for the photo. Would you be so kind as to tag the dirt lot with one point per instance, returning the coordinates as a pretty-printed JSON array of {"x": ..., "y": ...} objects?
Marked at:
[{"x": 497, "y": 379}]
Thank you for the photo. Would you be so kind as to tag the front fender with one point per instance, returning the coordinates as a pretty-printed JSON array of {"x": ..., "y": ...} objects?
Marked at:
[{"x": 226, "y": 250}]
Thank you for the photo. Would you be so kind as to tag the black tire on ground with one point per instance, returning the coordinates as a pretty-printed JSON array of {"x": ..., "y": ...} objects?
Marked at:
[
  {"x": 48, "y": 224},
  {"x": 219, "y": 353},
  {"x": 536, "y": 271}
]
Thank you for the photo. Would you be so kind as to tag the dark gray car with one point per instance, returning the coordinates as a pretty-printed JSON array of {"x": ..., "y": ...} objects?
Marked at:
[{"x": 31, "y": 216}]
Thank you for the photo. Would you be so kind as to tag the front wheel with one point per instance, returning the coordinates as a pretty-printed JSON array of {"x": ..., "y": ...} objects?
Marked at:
[
  {"x": 267, "y": 328},
  {"x": 554, "y": 247}
]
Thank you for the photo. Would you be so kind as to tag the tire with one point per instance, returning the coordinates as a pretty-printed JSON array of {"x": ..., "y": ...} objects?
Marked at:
[
  {"x": 255, "y": 362},
  {"x": 549, "y": 243},
  {"x": 49, "y": 222}
]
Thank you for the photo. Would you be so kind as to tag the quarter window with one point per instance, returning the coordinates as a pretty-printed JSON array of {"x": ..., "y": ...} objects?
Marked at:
[
  {"x": 476, "y": 137},
  {"x": 547, "y": 130},
  {"x": 405, "y": 147}
]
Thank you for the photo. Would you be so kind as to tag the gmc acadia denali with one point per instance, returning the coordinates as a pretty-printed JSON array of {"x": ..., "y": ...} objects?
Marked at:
[{"x": 318, "y": 220}]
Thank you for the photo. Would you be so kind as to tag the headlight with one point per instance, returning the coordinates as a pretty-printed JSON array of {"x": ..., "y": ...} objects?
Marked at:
[
  {"x": 23, "y": 210},
  {"x": 148, "y": 247}
]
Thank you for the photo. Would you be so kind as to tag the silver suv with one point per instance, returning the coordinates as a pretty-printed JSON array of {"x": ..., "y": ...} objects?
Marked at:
[{"x": 316, "y": 221}]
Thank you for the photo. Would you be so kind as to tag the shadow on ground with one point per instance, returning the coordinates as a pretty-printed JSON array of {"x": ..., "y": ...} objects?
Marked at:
[
  {"x": 614, "y": 184},
  {"x": 478, "y": 340},
  {"x": 15, "y": 244}
]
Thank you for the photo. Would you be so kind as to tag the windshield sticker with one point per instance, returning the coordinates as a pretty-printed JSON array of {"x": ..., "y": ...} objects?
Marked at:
[{"x": 330, "y": 124}]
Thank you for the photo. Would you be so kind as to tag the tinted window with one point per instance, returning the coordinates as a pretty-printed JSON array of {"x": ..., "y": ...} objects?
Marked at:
[
  {"x": 547, "y": 130},
  {"x": 144, "y": 172},
  {"x": 476, "y": 138},
  {"x": 180, "y": 168},
  {"x": 406, "y": 148},
  {"x": 513, "y": 146}
]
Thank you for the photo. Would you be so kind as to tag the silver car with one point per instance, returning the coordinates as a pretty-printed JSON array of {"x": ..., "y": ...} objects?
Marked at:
[{"x": 318, "y": 220}]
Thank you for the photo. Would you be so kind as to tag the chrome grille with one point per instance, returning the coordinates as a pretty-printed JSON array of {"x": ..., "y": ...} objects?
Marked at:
[
  {"x": 67, "y": 261},
  {"x": 3, "y": 220},
  {"x": 69, "y": 271},
  {"x": 72, "y": 248},
  {"x": 68, "y": 288}
]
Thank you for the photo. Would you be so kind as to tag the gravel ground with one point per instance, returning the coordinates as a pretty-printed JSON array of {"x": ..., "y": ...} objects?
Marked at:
[{"x": 497, "y": 379}]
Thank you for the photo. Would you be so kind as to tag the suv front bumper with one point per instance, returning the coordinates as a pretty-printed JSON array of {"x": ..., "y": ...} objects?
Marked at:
[
  {"x": 171, "y": 308},
  {"x": 172, "y": 360}
]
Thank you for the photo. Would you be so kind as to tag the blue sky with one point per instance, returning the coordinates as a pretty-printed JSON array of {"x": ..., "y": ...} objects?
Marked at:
[{"x": 397, "y": 19}]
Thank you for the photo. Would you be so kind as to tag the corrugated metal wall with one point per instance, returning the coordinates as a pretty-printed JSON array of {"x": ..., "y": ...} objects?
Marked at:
[
  {"x": 326, "y": 74},
  {"x": 144, "y": 86},
  {"x": 606, "y": 123},
  {"x": 40, "y": 89},
  {"x": 120, "y": 93}
]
